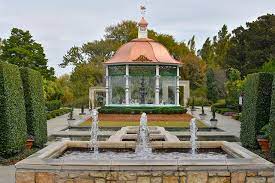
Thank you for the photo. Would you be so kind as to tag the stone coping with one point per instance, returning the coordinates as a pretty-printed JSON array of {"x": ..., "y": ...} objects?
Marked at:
[
  {"x": 244, "y": 159},
  {"x": 155, "y": 133}
]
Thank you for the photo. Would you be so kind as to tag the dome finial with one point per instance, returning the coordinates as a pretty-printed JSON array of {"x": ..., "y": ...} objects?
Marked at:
[{"x": 142, "y": 25}]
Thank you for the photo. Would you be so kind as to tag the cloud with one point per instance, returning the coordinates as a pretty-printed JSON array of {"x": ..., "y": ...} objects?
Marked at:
[{"x": 59, "y": 25}]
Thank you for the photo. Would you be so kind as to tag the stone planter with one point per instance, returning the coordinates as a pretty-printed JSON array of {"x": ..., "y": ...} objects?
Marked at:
[
  {"x": 264, "y": 144},
  {"x": 213, "y": 123},
  {"x": 29, "y": 143}
]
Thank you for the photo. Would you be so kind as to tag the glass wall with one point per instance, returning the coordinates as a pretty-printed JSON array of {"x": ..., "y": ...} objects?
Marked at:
[
  {"x": 142, "y": 84},
  {"x": 117, "y": 84},
  {"x": 167, "y": 85}
]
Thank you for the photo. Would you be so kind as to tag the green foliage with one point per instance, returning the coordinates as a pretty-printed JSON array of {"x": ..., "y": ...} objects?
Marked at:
[
  {"x": 192, "y": 45},
  {"x": 234, "y": 87},
  {"x": 85, "y": 76},
  {"x": 212, "y": 91},
  {"x": 272, "y": 120},
  {"x": 214, "y": 52},
  {"x": 52, "y": 90},
  {"x": 67, "y": 94},
  {"x": 219, "y": 104},
  {"x": 35, "y": 105},
  {"x": 12, "y": 109},
  {"x": 138, "y": 110},
  {"x": 193, "y": 69},
  {"x": 256, "y": 107},
  {"x": 269, "y": 66},
  {"x": 20, "y": 49},
  {"x": 198, "y": 101},
  {"x": 57, "y": 112},
  {"x": 53, "y": 105},
  {"x": 253, "y": 45},
  {"x": 207, "y": 52}
]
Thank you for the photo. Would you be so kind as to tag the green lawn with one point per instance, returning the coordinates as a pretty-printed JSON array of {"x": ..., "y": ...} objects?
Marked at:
[{"x": 175, "y": 124}]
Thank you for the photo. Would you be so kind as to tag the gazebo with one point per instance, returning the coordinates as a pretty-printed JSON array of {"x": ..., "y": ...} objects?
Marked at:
[{"x": 142, "y": 73}]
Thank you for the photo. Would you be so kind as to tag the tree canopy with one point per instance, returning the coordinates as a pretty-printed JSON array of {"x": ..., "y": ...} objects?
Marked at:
[
  {"x": 22, "y": 50},
  {"x": 253, "y": 45}
]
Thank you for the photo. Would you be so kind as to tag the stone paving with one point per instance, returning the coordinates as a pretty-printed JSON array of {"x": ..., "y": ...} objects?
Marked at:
[{"x": 225, "y": 123}]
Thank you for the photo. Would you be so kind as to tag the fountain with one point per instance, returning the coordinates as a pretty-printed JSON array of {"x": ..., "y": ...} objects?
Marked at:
[
  {"x": 144, "y": 159},
  {"x": 193, "y": 136},
  {"x": 94, "y": 132},
  {"x": 143, "y": 148}
]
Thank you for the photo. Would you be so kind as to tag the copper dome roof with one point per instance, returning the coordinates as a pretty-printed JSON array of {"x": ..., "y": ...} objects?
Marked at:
[{"x": 142, "y": 50}]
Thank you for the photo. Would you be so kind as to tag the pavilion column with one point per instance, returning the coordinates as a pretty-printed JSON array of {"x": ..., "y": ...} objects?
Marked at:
[
  {"x": 107, "y": 84},
  {"x": 178, "y": 86},
  {"x": 157, "y": 86},
  {"x": 127, "y": 85}
]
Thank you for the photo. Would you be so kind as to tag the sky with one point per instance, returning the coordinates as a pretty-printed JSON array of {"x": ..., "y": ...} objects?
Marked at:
[{"x": 60, "y": 24}]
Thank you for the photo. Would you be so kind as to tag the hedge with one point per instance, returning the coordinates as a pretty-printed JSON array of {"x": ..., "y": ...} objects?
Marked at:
[
  {"x": 256, "y": 107},
  {"x": 12, "y": 109},
  {"x": 53, "y": 105},
  {"x": 58, "y": 112},
  {"x": 138, "y": 110},
  {"x": 35, "y": 105},
  {"x": 272, "y": 120}
]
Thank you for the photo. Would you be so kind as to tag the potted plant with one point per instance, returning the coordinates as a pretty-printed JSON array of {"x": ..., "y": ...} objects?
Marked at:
[
  {"x": 82, "y": 110},
  {"x": 193, "y": 105},
  {"x": 213, "y": 120},
  {"x": 264, "y": 137},
  {"x": 29, "y": 142},
  {"x": 71, "y": 117},
  {"x": 202, "y": 115}
]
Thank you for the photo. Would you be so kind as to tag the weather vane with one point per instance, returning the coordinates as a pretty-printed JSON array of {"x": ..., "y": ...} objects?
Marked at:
[{"x": 142, "y": 10}]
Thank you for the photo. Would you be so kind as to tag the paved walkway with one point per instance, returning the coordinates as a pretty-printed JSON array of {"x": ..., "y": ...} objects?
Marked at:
[
  {"x": 61, "y": 122},
  {"x": 7, "y": 173},
  {"x": 225, "y": 123}
]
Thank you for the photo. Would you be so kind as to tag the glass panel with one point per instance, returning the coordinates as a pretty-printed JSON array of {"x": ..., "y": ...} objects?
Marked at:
[
  {"x": 142, "y": 90},
  {"x": 116, "y": 89},
  {"x": 117, "y": 70},
  {"x": 167, "y": 70},
  {"x": 167, "y": 90},
  {"x": 140, "y": 70}
]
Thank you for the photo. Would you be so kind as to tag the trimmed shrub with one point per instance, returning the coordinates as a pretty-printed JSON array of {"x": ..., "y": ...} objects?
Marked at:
[
  {"x": 58, "y": 112},
  {"x": 53, "y": 105},
  {"x": 138, "y": 110},
  {"x": 35, "y": 105},
  {"x": 256, "y": 107},
  {"x": 12, "y": 109},
  {"x": 272, "y": 120}
]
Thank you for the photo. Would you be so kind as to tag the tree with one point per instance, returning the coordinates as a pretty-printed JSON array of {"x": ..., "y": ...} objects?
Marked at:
[
  {"x": 52, "y": 91},
  {"x": 207, "y": 52},
  {"x": 192, "y": 45},
  {"x": 212, "y": 91},
  {"x": 268, "y": 66},
  {"x": 96, "y": 51},
  {"x": 193, "y": 69},
  {"x": 214, "y": 52},
  {"x": 85, "y": 76},
  {"x": 221, "y": 45},
  {"x": 122, "y": 32},
  {"x": 1, "y": 44},
  {"x": 65, "y": 83},
  {"x": 20, "y": 49},
  {"x": 253, "y": 45},
  {"x": 234, "y": 86}
]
